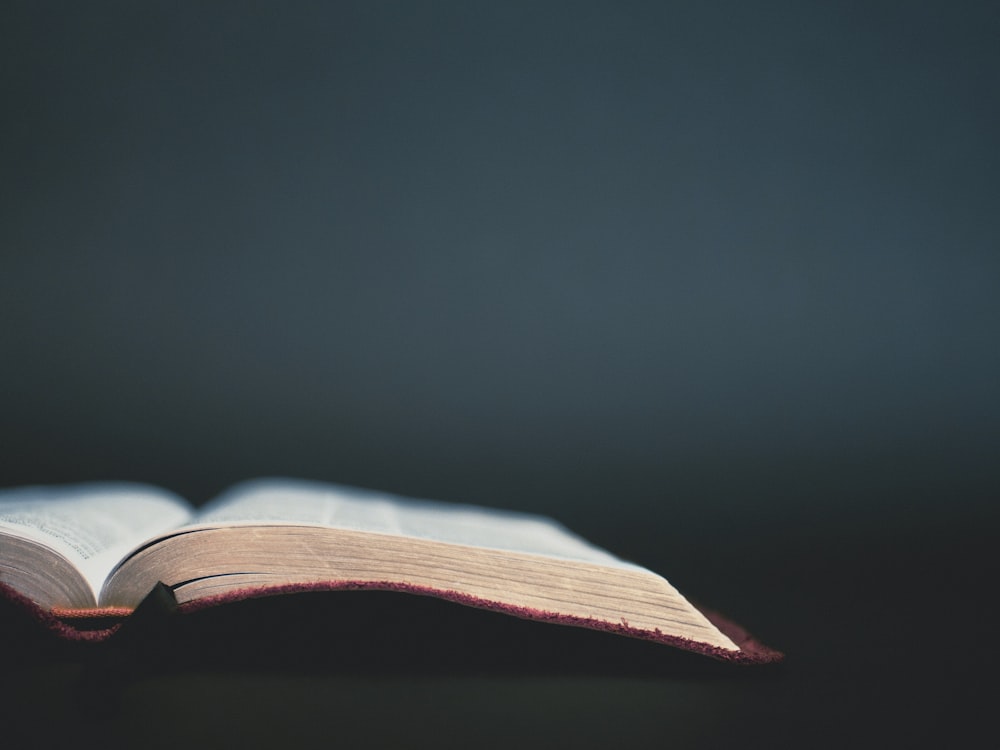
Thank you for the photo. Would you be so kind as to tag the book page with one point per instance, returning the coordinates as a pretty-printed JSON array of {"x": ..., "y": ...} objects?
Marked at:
[
  {"x": 91, "y": 525},
  {"x": 276, "y": 501}
]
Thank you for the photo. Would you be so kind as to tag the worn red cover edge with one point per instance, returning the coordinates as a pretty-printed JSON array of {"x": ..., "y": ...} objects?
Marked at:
[{"x": 102, "y": 623}]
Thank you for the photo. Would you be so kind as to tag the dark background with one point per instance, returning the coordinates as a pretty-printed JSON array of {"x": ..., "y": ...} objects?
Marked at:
[{"x": 715, "y": 284}]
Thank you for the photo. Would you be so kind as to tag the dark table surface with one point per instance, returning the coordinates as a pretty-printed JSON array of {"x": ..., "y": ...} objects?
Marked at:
[{"x": 887, "y": 642}]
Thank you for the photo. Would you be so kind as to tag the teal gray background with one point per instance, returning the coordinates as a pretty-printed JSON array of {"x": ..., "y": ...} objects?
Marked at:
[
  {"x": 585, "y": 257},
  {"x": 714, "y": 283}
]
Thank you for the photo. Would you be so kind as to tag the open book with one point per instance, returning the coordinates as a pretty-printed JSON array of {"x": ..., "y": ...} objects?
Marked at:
[{"x": 101, "y": 548}]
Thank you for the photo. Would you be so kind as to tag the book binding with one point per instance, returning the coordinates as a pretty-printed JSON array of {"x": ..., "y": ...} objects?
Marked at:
[{"x": 102, "y": 624}]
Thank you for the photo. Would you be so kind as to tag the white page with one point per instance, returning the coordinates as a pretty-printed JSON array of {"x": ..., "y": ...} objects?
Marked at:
[
  {"x": 92, "y": 525},
  {"x": 279, "y": 501}
]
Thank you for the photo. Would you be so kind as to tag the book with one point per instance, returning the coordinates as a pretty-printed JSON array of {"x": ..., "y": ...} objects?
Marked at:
[{"x": 88, "y": 551}]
